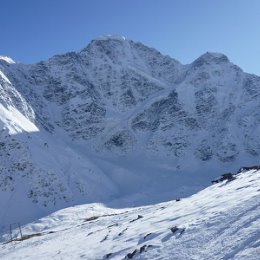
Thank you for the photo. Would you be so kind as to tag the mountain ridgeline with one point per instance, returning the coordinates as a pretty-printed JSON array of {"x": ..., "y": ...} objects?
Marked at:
[{"x": 118, "y": 119}]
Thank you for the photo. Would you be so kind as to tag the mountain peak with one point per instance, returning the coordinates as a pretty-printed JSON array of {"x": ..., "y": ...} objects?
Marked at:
[
  {"x": 110, "y": 37},
  {"x": 216, "y": 55},
  {"x": 106, "y": 43},
  {"x": 211, "y": 57},
  {"x": 7, "y": 59}
]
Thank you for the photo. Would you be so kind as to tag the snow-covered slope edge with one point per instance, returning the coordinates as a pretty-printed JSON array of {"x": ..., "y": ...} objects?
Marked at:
[{"x": 220, "y": 222}]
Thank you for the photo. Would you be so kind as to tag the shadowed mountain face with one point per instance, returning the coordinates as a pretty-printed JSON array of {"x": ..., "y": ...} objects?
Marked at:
[{"x": 119, "y": 120}]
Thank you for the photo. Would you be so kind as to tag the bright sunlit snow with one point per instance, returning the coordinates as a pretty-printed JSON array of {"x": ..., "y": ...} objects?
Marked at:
[
  {"x": 220, "y": 222},
  {"x": 15, "y": 122},
  {"x": 7, "y": 59}
]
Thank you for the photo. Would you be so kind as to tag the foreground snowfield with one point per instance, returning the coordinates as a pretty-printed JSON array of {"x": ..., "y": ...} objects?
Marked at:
[{"x": 220, "y": 222}]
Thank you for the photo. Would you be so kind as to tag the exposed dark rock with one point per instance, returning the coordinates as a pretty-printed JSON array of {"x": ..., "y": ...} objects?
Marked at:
[
  {"x": 224, "y": 177},
  {"x": 131, "y": 255},
  {"x": 91, "y": 218},
  {"x": 108, "y": 255},
  {"x": 147, "y": 235},
  {"x": 248, "y": 168},
  {"x": 138, "y": 217},
  {"x": 174, "y": 229},
  {"x": 121, "y": 233}
]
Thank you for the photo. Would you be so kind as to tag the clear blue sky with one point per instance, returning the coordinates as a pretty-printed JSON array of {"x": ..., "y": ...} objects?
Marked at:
[{"x": 34, "y": 30}]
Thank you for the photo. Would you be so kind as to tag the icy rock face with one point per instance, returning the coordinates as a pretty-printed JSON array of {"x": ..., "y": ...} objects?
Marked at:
[
  {"x": 109, "y": 74},
  {"x": 203, "y": 114},
  {"x": 120, "y": 99},
  {"x": 18, "y": 168},
  {"x": 9, "y": 96}
]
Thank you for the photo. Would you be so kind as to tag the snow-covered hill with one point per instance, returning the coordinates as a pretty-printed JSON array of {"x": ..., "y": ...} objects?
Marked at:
[
  {"x": 220, "y": 222},
  {"x": 122, "y": 124}
]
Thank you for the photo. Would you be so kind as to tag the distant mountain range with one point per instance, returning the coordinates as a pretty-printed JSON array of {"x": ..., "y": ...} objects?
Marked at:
[{"x": 122, "y": 124}]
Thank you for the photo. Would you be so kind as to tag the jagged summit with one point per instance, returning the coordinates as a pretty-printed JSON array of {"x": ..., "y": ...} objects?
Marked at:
[
  {"x": 211, "y": 57},
  {"x": 107, "y": 40},
  {"x": 110, "y": 44}
]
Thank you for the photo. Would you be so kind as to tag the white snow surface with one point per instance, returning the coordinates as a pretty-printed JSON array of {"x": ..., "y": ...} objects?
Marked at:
[
  {"x": 7, "y": 59},
  {"x": 111, "y": 37},
  {"x": 16, "y": 122},
  {"x": 219, "y": 222}
]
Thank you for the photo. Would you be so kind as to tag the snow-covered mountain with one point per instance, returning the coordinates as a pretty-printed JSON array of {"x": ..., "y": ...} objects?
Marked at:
[
  {"x": 206, "y": 225},
  {"x": 122, "y": 124}
]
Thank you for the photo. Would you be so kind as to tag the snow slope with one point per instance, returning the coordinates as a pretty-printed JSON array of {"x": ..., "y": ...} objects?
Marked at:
[
  {"x": 219, "y": 222},
  {"x": 121, "y": 124}
]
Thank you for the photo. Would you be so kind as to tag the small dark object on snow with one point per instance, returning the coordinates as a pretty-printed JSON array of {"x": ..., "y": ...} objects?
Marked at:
[
  {"x": 225, "y": 176},
  {"x": 142, "y": 248},
  {"x": 116, "y": 224},
  {"x": 108, "y": 255},
  {"x": 91, "y": 218},
  {"x": 147, "y": 235},
  {"x": 174, "y": 229},
  {"x": 182, "y": 231},
  {"x": 104, "y": 239},
  {"x": 131, "y": 255},
  {"x": 121, "y": 233},
  {"x": 138, "y": 217},
  {"x": 178, "y": 199}
]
